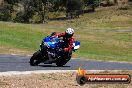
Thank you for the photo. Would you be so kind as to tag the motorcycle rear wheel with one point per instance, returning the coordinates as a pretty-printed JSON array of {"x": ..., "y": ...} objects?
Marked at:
[{"x": 62, "y": 61}]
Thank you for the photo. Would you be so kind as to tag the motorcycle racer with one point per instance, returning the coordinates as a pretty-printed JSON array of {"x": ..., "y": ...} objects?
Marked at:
[
  {"x": 56, "y": 48},
  {"x": 67, "y": 38}
]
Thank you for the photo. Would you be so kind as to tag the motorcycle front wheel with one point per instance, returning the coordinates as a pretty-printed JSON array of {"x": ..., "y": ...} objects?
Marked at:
[{"x": 36, "y": 58}]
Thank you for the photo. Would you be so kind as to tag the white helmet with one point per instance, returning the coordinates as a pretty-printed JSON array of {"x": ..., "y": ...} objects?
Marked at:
[{"x": 70, "y": 31}]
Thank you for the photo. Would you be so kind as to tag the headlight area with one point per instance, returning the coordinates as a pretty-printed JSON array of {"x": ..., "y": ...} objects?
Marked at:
[{"x": 44, "y": 45}]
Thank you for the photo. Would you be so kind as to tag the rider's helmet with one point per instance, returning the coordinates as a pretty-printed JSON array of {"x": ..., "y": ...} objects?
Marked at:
[{"x": 69, "y": 32}]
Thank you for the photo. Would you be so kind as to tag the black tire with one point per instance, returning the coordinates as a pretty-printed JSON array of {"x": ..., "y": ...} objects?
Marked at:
[
  {"x": 36, "y": 58},
  {"x": 62, "y": 61},
  {"x": 81, "y": 80}
]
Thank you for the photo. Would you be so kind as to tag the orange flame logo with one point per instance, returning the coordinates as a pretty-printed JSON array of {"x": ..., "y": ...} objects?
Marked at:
[{"x": 81, "y": 71}]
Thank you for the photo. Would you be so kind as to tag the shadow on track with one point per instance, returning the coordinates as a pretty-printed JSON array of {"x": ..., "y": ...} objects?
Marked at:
[{"x": 52, "y": 66}]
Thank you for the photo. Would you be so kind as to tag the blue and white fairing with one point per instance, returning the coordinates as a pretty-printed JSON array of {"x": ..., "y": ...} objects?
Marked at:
[
  {"x": 54, "y": 42},
  {"x": 51, "y": 42}
]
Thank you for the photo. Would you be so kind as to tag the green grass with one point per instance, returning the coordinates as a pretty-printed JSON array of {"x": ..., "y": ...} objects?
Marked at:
[
  {"x": 20, "y": 36},
  {"x": 104, "y": 35}
]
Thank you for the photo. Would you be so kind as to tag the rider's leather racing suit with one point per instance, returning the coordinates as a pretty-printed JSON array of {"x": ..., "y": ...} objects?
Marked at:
[{"x": 68, "y": 42}]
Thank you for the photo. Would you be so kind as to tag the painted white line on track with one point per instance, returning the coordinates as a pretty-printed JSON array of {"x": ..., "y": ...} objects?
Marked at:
[
  {"x": 13, "y": 54},
  {"x": 11, "y": 73}
]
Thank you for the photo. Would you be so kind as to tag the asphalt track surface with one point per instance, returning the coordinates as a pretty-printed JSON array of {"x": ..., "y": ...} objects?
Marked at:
[{"x": 21, "y": 63}]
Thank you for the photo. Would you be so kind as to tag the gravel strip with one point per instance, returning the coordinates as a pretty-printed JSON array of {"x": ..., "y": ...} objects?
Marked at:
[{"x": 55, "y": 80}]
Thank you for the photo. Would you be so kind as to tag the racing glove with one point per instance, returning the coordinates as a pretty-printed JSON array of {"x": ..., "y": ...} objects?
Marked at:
[{"x": 66, "y": 50}]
